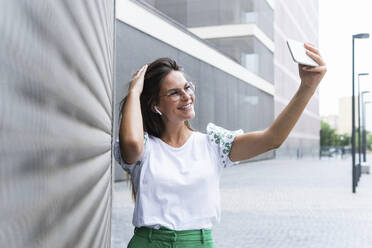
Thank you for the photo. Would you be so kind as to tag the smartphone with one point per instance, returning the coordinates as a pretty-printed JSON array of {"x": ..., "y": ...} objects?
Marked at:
[{"x": 298, "y": 52}]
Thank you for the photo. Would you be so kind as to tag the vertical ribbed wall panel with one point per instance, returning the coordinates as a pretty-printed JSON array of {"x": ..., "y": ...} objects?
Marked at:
[{"x": 56, "y": 93}]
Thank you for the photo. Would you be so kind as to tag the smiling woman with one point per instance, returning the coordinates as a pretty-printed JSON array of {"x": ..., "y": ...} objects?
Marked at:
[{"x": 175, "y": 171}]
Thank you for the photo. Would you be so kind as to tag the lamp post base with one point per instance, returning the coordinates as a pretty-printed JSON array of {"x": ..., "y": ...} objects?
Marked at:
[{"x": 365, "y": 168}]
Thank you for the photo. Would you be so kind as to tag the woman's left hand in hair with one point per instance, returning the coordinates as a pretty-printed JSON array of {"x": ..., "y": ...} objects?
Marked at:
[{"x": 311, "y": 76}]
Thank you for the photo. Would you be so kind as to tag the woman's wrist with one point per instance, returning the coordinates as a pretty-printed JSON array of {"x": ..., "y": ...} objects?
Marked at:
[
  {"x": 134, "y": 92},
  {"x": 309, "y": 88}
]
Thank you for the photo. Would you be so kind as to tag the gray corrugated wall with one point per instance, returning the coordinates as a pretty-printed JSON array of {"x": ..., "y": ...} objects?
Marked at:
[
  {"x": 56, "y": 92},
  {"x": 220, "y": 97}
]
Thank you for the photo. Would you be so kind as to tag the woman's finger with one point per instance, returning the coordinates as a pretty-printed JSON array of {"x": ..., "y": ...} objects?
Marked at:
[
  {"x": 143, "y": 69},
  {"x": 136, "y": 73},
  {"x": 310, "y": 44},
  {"x": 314, "y": 69},
  {"x": 142, "y": 72},
  {"x": 315, "y": 57},
  {"x": 312, "y": 48},
  {"x": 139, "y": 71}
]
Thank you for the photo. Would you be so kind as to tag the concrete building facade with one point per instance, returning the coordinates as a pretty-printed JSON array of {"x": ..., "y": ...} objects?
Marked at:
[{"x": 344, "y": 115}]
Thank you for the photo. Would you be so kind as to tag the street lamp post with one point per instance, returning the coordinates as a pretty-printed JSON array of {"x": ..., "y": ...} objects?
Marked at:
[
  {"x": 354, "y": 174},
  {"x": 364, "y": 134},
  {"x": 359, "y": 127}
]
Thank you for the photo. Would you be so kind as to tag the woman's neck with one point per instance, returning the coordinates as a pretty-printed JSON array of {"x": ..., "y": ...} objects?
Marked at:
[{"x": 176, "y": 135}]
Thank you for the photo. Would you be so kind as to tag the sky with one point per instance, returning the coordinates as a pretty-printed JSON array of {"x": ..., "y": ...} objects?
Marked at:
[{"x": 338, "y": 21}]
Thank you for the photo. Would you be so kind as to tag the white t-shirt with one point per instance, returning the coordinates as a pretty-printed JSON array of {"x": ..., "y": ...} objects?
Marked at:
[{"x": 178, "y": 188}]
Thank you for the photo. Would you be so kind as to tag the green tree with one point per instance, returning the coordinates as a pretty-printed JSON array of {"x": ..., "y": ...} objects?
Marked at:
[
  {"x": 328, "y": 136},
  {"x": 369, "y": 140},
  {"x": 344, "y": 139}
]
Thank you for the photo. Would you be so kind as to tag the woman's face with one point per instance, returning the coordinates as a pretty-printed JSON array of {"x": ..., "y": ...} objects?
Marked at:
[{"x": 176, "y": 98}]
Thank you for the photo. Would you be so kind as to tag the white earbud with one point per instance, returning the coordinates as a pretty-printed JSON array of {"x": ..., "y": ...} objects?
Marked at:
[{"x": 157, "y": 110}]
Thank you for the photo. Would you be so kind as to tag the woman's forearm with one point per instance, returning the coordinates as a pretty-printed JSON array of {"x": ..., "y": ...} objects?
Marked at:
[
  {"x": 287, "y": 119},
  {"x": 310, "y": 79},
  {"x": 131, "y": 127}
]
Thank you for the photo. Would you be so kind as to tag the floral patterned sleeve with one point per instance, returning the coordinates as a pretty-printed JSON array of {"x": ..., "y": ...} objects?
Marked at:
[
  {"x": 129, "y": 167},
  {"x": 222, "y": 140}
]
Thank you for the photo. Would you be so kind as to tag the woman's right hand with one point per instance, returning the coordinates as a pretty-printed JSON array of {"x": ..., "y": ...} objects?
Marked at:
[{"x": 137, "y": 82}]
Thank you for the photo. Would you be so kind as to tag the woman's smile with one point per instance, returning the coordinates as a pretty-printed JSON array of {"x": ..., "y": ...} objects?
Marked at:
[{"x": 187, "y": 107}]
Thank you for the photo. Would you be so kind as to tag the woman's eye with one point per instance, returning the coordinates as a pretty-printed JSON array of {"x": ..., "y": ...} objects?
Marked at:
[{"x": 173, "y": 93}]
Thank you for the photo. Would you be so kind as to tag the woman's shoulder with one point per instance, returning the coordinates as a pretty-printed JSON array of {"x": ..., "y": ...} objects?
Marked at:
[
  {"x": 221, "y": 139},
  {"x": 213, "y": 131},
  {"x": 217, "y": 132}
]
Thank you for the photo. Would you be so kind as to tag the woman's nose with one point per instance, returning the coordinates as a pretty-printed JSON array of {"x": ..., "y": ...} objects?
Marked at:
[{"x": 185, "y": 95}]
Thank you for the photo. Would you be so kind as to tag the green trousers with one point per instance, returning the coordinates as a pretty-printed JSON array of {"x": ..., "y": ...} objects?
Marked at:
[{"x": 164, "y": 238}]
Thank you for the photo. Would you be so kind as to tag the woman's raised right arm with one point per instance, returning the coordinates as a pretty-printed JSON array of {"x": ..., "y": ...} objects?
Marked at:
[{"x": 131, "y": 126}]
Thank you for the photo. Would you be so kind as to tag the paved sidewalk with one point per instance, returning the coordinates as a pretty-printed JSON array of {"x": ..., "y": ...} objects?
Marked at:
[{"x": 280, "y": 204}]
